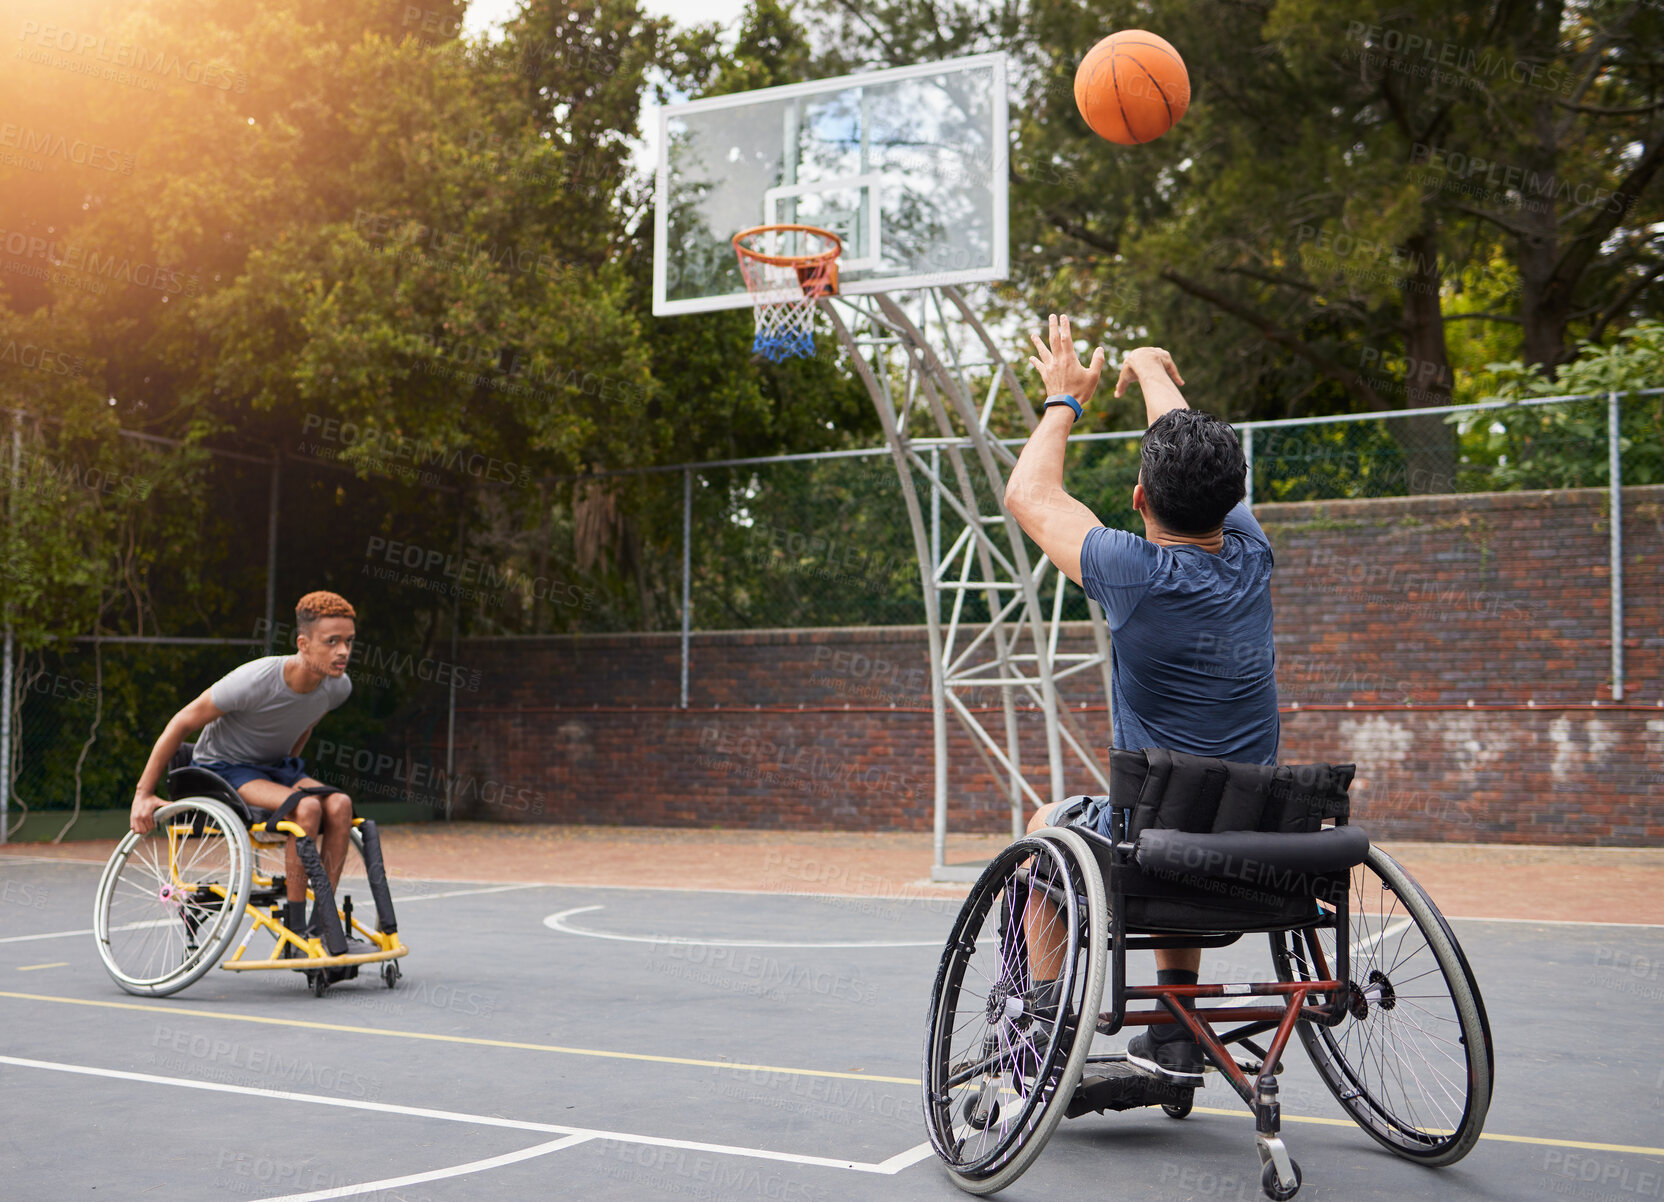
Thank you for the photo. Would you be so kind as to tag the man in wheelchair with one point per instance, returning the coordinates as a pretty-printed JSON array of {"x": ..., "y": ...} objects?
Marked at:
[
  {"x": 1204, "y": 838},
  {"x": 255, "y": 721},
  {"x": 1189, "y": 604}
]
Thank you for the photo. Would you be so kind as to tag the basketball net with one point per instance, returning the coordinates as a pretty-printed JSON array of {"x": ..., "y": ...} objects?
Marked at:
[{"x": 785, "y": 287}]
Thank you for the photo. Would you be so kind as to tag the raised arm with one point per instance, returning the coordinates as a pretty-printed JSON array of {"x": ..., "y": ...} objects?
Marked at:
[
  {"x": 193, "y": 717},
  {"x": 1034, "y": 493},
  {"x": 1152, "y": 369}
]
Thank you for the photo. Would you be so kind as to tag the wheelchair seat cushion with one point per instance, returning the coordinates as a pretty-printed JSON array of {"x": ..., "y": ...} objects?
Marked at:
[{"x": 1269, "y": 860}]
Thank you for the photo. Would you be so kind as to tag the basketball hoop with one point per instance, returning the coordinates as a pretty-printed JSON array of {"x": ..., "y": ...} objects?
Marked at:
[{"x": 784, "y": 287}]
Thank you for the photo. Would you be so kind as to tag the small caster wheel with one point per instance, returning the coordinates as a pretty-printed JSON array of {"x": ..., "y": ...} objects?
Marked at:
[
  {"x": 1269, "y": 1184},
  {"x": 390, "y": 974},
  {"x": 1178, "y": 1110},
  {"x": 319, "y": 980},
  {"x": 976, "y": 1118}
]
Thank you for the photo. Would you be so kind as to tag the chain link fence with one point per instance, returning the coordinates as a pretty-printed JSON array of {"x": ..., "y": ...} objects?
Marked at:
[{"x": 434, "y": 555}]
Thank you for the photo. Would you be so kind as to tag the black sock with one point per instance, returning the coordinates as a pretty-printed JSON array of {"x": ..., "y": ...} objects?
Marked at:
[
  {"x": 1166, "y": 1032},
  {"x": 294, "y": 917}
]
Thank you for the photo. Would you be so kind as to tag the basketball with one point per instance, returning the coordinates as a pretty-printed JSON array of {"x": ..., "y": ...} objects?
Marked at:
[{"x": 1132, "y": 87}]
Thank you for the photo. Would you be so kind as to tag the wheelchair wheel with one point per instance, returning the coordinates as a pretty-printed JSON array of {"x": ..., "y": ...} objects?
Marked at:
[
  {"x": 170, "y": 902},
  {"x": 1411, "y": 1062},
  {"x": 999, "y": 1065}
]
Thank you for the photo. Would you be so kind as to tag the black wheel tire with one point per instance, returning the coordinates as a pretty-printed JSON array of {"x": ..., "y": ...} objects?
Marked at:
[
  {"x": 1270, "y": 1185},
  {"x": 1030, "y": 1123},
  {"x": 127, "y": 900},
  {"x": 390, "y": 974},
  {"x": 1339, "y": 1054},
  {"x": 319, "y": 980},
  {"x": 1178, "y": 1110}
]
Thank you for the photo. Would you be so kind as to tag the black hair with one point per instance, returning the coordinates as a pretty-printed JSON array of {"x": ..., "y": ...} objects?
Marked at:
[{"x": 1192, "y": 469}]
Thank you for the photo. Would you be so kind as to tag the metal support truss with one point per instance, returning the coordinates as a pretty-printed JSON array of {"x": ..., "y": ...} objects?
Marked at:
[{"x": 932, "y": 366}]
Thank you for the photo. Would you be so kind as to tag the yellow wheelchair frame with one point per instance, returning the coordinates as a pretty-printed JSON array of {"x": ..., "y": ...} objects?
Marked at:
[
  {"x": 388, "y": 945},
  {"x": 163, "y": 918}
]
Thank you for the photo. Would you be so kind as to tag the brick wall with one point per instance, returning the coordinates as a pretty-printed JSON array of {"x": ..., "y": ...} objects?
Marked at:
[{"x": 1498, "y": 600}]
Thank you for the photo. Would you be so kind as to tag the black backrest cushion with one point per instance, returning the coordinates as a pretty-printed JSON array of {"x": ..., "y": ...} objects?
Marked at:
[
  {"x": 1170, "y": 790},
  {"x": 182, "y": 757}
]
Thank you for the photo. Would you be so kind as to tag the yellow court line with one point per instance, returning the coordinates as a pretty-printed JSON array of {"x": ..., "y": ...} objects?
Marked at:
[
  {"x": 32, "y": 967},
  {"x": 473, "y": 1040},
  {"x": 1586, "y": 1145}
]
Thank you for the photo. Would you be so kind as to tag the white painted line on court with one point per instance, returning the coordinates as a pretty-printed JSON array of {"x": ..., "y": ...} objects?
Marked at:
[
  {"x": 902, "y": 1160},
  {"x": 1558, "y": 922},
  {"x": 156, "y": 922},
  {"x": 1386, "y": 932},
  {"x": 887, "y": 1168},
  {"x": 48, "y": 935},
  {"x": 455, "y": 1170},
  {"x": 415, "y": 897},
  {"x": 129, "y": 926},
  {"x": 900, "y": 893},
  {"x": 557, "y": 922}
]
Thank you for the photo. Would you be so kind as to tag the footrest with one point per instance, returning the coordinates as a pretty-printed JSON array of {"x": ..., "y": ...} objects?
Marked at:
[{"x": 1120, "y": 1086}]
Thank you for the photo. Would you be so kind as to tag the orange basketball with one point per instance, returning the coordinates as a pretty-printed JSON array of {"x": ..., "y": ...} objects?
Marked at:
[{"x": 1131, "y": 87}]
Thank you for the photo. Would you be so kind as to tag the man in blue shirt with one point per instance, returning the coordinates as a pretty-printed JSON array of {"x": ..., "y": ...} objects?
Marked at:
[{"x": 1188, "y": 605}]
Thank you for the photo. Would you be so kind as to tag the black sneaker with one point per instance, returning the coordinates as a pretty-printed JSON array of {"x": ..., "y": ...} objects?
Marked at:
[{"x": 1176, "y": 1060}]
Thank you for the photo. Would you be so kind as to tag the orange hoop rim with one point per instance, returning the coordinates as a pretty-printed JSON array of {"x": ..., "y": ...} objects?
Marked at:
[{"x": 815, "y": 259}]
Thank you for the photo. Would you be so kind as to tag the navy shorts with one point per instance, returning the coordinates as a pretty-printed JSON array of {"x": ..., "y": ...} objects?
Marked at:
[
  {"x": 285, "y": 772},
  {"x": 1092, "y": 812}
]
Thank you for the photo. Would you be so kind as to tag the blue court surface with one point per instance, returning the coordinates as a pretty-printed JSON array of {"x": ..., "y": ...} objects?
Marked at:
[{"x": 579, "y": 1042}]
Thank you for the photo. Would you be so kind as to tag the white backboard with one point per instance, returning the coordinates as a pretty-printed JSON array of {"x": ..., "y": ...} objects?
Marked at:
[{"x": 908, "y": 166}]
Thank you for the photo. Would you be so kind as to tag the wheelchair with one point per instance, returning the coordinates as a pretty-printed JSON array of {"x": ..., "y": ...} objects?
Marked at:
[
  {"x": 1200, "y": 853},
  {"x": 170, "y": 902}
]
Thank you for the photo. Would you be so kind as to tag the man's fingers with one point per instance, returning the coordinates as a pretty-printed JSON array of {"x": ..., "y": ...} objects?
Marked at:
[
  {"x": 1097, "y": 364},
  {"x": 1041, "y": 346}
]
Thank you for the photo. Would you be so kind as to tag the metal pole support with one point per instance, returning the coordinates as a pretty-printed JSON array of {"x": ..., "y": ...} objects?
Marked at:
[
  {"x": 687, "y": 576},
  {"x": 1615, "y": 485}
]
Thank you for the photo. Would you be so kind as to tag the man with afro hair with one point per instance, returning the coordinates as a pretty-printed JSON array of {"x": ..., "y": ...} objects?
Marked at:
[
  {"x": 1189, "y": 604},
  {"x": 254, "y": 722}
]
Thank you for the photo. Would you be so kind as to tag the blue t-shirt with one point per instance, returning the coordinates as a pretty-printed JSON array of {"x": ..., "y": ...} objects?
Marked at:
[{"x": 1193, "y": 667}]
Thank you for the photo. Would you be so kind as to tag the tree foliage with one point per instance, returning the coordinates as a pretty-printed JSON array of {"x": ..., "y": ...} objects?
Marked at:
[{"x": 413, "y": 268}]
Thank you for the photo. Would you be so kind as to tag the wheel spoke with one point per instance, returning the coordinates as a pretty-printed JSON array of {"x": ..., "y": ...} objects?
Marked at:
[{"x": 1405, "y": 1070}]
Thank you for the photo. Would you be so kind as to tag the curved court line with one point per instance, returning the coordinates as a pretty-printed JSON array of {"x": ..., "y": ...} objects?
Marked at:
[
  {"x": 455, "y": 1170},
  {"x": 557, "y": 922}
]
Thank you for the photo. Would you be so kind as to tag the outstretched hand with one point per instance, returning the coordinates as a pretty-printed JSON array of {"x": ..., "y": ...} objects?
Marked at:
[
  {"x": 1151, "y": 361},
  {"x": 1059, "y": 367}
]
